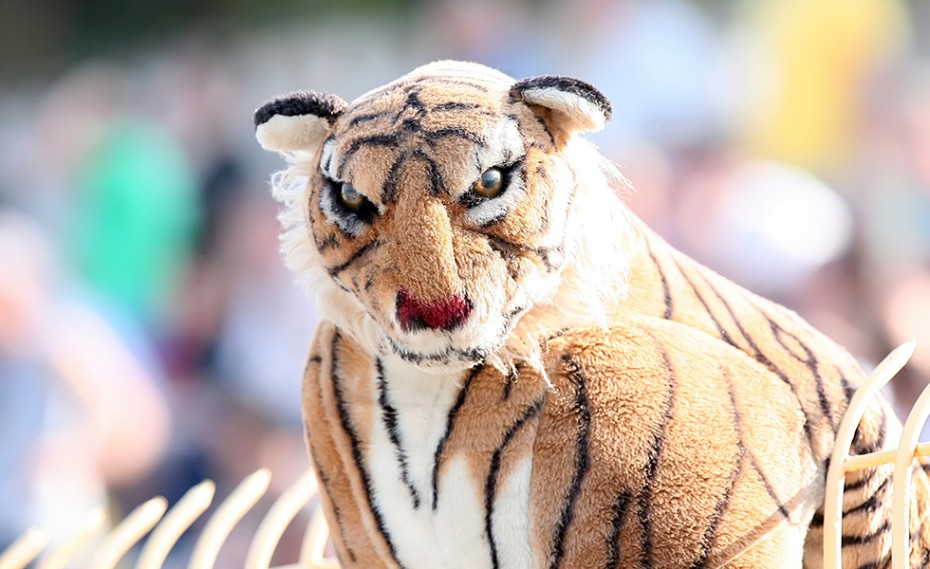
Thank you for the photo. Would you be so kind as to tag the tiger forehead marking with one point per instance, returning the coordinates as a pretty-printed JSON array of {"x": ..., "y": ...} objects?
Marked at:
[{"x": 421, "y": 121}]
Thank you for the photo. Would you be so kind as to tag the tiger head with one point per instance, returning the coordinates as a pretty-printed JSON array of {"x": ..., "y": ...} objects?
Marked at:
[{"x": 450, "y": 217}]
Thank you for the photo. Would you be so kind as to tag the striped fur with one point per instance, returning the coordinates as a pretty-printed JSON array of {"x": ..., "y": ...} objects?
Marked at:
[{"x": 605, "y": 401}]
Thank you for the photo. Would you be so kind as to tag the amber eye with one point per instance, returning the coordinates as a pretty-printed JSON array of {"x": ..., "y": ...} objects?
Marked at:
[
  {"x": 490, "y": 184},
  {"x": 351, "y": 197}
]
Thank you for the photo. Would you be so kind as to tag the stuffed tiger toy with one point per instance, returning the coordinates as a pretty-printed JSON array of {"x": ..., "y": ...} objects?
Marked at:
[{"x": 514, "y": 372}]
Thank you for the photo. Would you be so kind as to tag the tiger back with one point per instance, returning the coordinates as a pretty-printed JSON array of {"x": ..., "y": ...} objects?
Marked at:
[{"x": 514, "y": 372}]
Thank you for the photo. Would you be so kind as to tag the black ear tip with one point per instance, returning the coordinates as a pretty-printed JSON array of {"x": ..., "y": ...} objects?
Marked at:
[
  {"x": 574, "y": 86},
  {"x": 300, "y": 103}
]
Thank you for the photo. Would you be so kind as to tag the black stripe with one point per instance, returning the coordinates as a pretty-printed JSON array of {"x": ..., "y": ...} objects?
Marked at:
[
  {"x": 872, "y": 503},
  {"x": 450, "y": 424},
  {"x": 469, "y": 355},
  {"x": 346, "y": 423},
  {"x": 324, "y": 481},
  {"x": 669, "y": 303},
  {"x": 720, "y": 329},
  {"x": 652, "y": 466},
  {"x": 447, "y": 81},
  {"x": 544, "y": 220},
  {"x": 389, "y": 191},
  {"x": 546, "y": 129},
  {"x": 490, "y": 483},
  {"x": 436, "y": 184},
  {"x": 329, "y": 157},
  {"x": 389, "y": 416},
  {"x": 867, "y": 538},
  {"x": 768, "y": 486},
  {"x": 511, "y": 378},
  {"x": 710, "y": 533},
  {"x": 454, "y": 131},
  {"x": 357, "y": 144},
  {"x": 762, "y": 358},
  {"x": 412, "y": 102},
  {"x": 848, "y": 388},
  {"x": 329, "y": 242},
  {"x": 367, "y": 117},
  {"x": 616, "y": 524},
  {"x": 817, "y": 520},
  {"x": 543, "y": 253},
  {"x": 454, "y": 106},
  {"x": 359, "y": 253},
  {"x": 878, "y": 443},
  {"x": 861, "y": 482},
  {"x": 810, "y": 361},
  {"x": 582, "y": 411}
]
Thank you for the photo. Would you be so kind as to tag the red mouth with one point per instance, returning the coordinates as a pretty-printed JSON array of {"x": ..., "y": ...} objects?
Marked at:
[{"x": 442, "y": 314}]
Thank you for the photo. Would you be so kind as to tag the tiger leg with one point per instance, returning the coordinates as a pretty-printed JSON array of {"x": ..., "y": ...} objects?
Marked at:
[{"x": 782, "y": 549}]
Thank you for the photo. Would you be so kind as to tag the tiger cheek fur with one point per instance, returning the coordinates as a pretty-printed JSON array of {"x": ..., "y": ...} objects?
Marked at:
[{"x": 513, "y": 372}]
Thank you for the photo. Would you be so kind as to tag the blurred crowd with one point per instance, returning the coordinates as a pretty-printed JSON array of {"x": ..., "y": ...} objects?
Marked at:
[{"x": 150, "y": 336}]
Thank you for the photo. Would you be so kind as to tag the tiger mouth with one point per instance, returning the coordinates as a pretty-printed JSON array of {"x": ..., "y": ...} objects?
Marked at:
[
  {"x": 449, "y": 353},
  {"x": 444, "y": 314}
]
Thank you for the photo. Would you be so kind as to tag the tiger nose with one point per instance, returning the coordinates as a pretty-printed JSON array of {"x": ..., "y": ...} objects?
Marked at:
[{"x": 441, "y": 314}]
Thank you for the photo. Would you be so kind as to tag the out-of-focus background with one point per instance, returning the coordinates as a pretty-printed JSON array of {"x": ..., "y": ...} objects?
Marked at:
[{"x": 149, "y": 335}]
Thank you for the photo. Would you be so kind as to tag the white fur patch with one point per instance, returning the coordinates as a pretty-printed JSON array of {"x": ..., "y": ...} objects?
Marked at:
[
  {"x": 584, "y": 115},
  {"x": 283, "y": 133},
  {"x": 452, "y": 535},
  {"x": 510, "y": 521}
]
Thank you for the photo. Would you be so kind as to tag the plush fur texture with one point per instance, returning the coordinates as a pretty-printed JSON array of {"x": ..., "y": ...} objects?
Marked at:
[{"x": 535, "y": 379}]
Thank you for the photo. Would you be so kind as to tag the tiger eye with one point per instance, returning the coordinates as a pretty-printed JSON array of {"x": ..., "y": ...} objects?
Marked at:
[
  {"x": 352, "y": 198},
  {"x": 490, "y": 184}
]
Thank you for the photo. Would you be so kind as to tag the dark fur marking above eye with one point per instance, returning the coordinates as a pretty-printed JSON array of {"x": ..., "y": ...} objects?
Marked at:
[
  {"x": 437, "y": 135},
  {"x": 389, "y": 191},
  {"x": 361, "y": 252},
  {"x": 445, "y": 81},
  {"x": 366, "y": 118},
  {"x": 411, "y": 125},
  {"x": 437, "y": 185},
  {"x": 392, "y": 139},
  {"x": 455, "y": 106}
]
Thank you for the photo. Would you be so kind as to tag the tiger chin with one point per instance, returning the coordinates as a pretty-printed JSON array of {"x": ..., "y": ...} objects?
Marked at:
[{"x": 512, "y": 371}]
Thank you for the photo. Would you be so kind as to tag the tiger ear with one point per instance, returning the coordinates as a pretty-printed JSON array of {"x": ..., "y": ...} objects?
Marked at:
[
  {"x": 298, "y": 121},
  {"x": 566, "y": 105}
]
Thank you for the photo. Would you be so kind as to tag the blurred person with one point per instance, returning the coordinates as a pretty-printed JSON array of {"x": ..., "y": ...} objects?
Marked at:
[
  {"x": 267, "y": 325},
  {"x": 812, "y": 63},
  {"x": 892, "y": 177},
  {"x": 659, "y": 61},
  {"x": 493, "y": 32},
  {"x": 892, "y": 183},
  {"x": 122, "y": 190},
  {"x": 768, "y": 226},
  {"x": 135, "y": 218},
  {"x": 80, "y": 415},
  {"x": 244, "y": 332}
]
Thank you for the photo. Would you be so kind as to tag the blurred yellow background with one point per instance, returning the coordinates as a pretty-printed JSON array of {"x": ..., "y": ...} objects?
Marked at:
[{"x": 149, "y": 335}]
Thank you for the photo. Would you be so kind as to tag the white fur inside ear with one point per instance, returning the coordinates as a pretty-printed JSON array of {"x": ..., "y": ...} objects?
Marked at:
[
  {"x": 584, "y": 115},
  {"x": 282, "y": 133}
]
